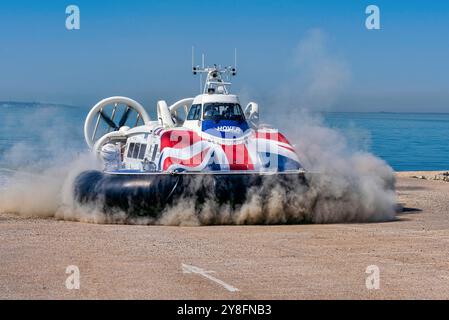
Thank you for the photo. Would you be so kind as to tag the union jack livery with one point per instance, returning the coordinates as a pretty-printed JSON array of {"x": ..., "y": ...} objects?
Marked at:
[
  {"x": 209, "y": 134},
  {"x": 261, "y": 150}
]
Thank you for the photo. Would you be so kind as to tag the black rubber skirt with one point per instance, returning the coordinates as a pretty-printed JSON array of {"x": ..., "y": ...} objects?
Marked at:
[{"x": 150, "y": 194}]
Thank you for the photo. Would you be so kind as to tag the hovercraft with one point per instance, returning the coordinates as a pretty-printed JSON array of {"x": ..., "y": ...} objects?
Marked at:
[{"x": 203, "y": 148}]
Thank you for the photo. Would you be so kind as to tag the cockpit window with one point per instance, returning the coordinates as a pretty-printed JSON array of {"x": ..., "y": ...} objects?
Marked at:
[
  {"x": 223, "y": 111},
  {"x": 194, "y": 112}
]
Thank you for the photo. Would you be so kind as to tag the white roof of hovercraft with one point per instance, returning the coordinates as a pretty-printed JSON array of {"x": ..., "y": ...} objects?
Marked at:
[{"x": 210, "y": 98}]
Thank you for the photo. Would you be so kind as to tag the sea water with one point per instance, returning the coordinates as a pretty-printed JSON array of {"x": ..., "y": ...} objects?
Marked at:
[
  {"x": 33, "y": 132},
  {"x": 406, "y": 141}
]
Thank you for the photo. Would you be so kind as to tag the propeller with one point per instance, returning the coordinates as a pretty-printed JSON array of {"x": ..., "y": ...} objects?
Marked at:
[
  {"x": 124, "y": 117},
  {"x": 99, "y": 113},
  {"x": 122, "y": 121},
  {"x": 108, "y": 120}
]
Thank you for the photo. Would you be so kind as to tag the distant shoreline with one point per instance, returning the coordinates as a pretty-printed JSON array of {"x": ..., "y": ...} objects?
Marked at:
[
  {"x": 424, "y": 175},
  {"x": 417, "y": 172},
  {"x": 37, "y": 103},
  {"x": 383, "y": 112}
]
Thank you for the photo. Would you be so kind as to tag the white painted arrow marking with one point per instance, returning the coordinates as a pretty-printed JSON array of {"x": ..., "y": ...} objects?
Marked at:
[{"x": 192, "y": 269}]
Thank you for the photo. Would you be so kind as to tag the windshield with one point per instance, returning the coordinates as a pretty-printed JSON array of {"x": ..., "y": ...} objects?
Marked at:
[
  {"x": 195, "y": 112},
  {"x": 223, "y": 111}
]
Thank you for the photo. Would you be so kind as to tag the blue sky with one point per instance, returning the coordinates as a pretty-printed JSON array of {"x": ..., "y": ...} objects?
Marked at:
[{"x": 142, "y": 49}]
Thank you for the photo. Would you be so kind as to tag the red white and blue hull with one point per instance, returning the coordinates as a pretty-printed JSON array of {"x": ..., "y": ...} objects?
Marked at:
[
  {"x": 195, "y": 166},
  {"x": 216, "y": 151}
]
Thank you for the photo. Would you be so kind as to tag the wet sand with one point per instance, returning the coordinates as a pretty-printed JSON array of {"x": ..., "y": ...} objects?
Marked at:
[{"x": 262, "y": 262}]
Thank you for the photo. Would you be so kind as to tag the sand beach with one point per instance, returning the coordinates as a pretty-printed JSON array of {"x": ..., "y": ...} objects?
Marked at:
[{"x": 259, "y": 262}]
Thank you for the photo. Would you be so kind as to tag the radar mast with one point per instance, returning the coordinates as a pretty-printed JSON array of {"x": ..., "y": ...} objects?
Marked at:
[{"x": 218, "y": 78}]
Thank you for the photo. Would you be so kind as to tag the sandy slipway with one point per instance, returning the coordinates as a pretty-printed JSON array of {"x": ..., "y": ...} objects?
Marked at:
[{"x": 235, "y": 262}]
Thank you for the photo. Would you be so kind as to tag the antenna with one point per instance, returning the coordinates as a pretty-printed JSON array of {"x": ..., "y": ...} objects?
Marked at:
[
  {"x": 193, "y": 58},
  {"x": 235, "y": 58},
  {"x": 201, "y": 74},
  {"x": 234, "y": 69}
]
